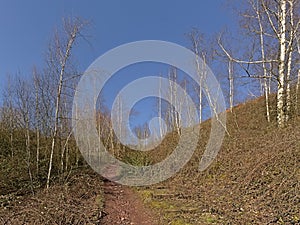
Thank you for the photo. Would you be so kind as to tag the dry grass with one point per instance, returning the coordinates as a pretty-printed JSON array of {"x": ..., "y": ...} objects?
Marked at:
[
  {"x": 78, "y": 201},
  {"x": 254, "y": 180}
]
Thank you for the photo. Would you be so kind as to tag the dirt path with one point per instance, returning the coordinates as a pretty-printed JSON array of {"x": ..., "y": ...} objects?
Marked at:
[{"x": 124, "y": 207}]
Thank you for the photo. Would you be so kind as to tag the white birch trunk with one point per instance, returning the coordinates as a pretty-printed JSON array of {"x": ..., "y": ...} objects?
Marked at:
[
  {"x": 281, "y": 65},
  {"x": 58, "y": 98},
  {"x": 159, "y": 109},
  {"x": 230, "y": 77},
  {"x": 265, "y": 74}
]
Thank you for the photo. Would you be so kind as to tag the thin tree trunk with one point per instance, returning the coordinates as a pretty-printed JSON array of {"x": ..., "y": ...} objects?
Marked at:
[
  {"x": 37, "y": 115},
  {"x": 262, "y": 47},
  {"x": 200, "y": 98},
  {"x": 11, "y": 143},
  {"x": 288, "y": 87},
  {"x": 159, "y": 109},
  {"x": 292, "y": 37},
  {"x": 200, "y": 74},
  {"x": 111, "y": 134},
  {"x": 58, "y": 97},
  {"x": 298, "y": 76},
  {"x": 230, "y": 77},
  {"x": 29, "y": 156},
  {"x": 297, "y": 91},
  {"x": 176, "y": 112},
  {"x": 11, "y": 119},
  {"x": 281, "y": 67}
]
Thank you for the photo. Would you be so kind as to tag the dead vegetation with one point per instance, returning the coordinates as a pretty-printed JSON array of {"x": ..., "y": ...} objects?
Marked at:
[
  {"x": 78, "y": 201},
  {"x": 254, "y": 180}
]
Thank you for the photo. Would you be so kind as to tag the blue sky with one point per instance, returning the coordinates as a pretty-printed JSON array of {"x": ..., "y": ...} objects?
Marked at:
[{"x": 27, "y": 26}]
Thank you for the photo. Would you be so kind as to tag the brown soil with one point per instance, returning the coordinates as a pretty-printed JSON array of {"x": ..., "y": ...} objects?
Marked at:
[{"x": 123, "y": 206}]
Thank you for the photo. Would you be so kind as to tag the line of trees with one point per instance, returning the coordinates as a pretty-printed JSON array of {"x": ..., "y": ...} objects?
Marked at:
[
  {"x": 35, "y": 116},
  {"x": 273, "y": 32},
  {"x": 271, "y": 56}
]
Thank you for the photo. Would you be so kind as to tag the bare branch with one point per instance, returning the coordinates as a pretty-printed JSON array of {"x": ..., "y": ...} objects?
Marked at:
[{"x": 242, "y": 61}]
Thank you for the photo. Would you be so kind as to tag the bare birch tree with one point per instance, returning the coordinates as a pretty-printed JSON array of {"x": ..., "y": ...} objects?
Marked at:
[
  {"x": 197, "y": 39},
  {"x": 59, "y": 56},
  {"x": 24, "y": 102},
  {"x": 274, "y": 24},
  {"x": 9, "y": 114},
  {"x": 37, "y": 117}
]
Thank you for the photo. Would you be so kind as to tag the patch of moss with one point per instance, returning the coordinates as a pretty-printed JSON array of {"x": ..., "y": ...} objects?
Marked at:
[
  {"x": 179, "y": 222},
  {"x": 99, "y": 201},
  {"x": 209, "y": 218},
  {"x": 146, "y": 195},
  {"x": 161, "y": 205}
]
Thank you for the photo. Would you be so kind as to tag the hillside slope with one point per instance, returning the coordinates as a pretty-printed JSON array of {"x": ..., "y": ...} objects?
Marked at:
[{"x": 254, "y": 180}]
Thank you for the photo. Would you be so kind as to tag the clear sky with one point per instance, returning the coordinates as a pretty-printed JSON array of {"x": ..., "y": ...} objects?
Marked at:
[{"x": 27, "y": 26}]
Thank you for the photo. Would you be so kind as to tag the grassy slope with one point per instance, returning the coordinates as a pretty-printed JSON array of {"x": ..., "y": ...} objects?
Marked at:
[
  {"x": 254, "y": 180},
  {"x": 78, "y": 201}
]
